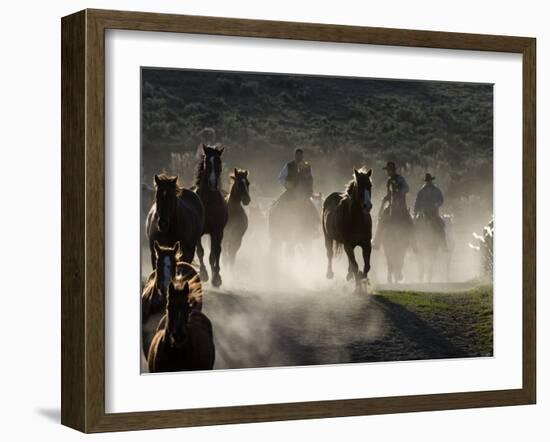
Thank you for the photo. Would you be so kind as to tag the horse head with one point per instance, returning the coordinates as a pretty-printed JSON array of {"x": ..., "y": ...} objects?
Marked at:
[
  {"x": 166, "y": 195},
  {"x": 165, "y": 264},
  {"x": 362, "y": 190},
  {"x": 178, "y": 310},
  {"x": 240, "y": 189},
  {"x": 211, "y": 165}
]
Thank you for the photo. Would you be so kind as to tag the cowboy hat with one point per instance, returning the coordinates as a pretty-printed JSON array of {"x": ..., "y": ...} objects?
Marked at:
[{"x": 429, "y": 177}]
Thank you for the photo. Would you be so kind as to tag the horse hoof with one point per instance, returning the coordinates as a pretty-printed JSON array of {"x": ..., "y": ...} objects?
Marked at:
[
  {"x": 216, "y": 280},
  {"x": 330, "y": 275},
  {"x": 203, "y": 275}
]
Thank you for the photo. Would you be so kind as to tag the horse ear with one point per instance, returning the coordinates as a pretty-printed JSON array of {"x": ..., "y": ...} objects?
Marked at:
[
  {"x": 174, "y": 180},
  {"x": 369, "y": 173},
  {"x": 221, "y": 150},
  {"x": 355, "y": 173},
  {"x": 156, "y": 246},
  {"x": 246, "y": 173},
  {"x": 204, "y": 147},
  {"x": 176, "y": 247},
  {"x": 156, "y": 180}
]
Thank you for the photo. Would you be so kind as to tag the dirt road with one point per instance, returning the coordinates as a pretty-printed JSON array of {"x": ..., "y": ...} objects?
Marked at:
[{"x": 331, "y": 328}]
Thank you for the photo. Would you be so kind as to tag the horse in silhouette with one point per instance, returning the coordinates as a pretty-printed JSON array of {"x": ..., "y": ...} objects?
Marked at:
[
  {"x": 184, "y": 340},
  {"x": 347, "y": 222},
  {"x": 293, "y": 219},
  {"x": 398, "y": 234},
  {"x": 153, "y": 297},
  {"x": 215, "y": 207},
  {"x": 237, "y": 223},
  {"x": 431, "y": 243},
  {"x": 177, "y": 214}
]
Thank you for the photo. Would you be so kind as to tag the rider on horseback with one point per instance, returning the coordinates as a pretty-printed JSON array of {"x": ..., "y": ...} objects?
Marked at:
[
  {"x": 294, "y": 212},
  {"x": 396, "y": 199},
  {"x": 428, "y": 201},
  {"x": 297, "y": 174}
]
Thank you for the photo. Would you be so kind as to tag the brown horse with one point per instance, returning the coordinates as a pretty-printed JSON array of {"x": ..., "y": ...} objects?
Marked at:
[
  {"x": 347, "y": 221},
  {"x": 176, "y": 215},
  {"x": 237, "y": 223},
  {"x": 215, "y": 208},
  {"x": 153, "y": 297},
  {"x": 184, "y": 340}
]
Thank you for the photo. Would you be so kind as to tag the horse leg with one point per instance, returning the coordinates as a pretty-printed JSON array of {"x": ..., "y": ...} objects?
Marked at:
[
  {"x": 330, "y": 253},
  {"x": 398, "y": 270},
  {"x": 215, "y": 252},
  {"x": 366, "y": 259},
  {"x": 203, "y": 273},
  {"x": 353, "y": 267},
  {"x": 228, "y": 253},
  {"x": 431, "y": 263},
  {"x": 389, "y": 275}
]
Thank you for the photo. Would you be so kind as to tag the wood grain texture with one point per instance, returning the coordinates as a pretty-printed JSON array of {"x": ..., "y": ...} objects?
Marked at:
[
  {"x": 83, "y": 218},
  {"x": 529, "y": 221},
  {"x": 72, "y": 221}
]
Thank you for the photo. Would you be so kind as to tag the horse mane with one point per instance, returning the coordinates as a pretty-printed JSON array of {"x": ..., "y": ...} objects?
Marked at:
[
  {"x": 195, "y": 290},
  {"x": 165, "y": 177},
  {"x": 151, "y": 282},
  {"x": 350, "y": 187},
  {"x": 199, "y": 171},
  {"x": 191, "y": 277}
]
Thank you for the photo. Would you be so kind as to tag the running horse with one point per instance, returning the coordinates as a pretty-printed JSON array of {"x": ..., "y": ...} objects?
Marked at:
[
  {"x": 347, "y": 222},
  {"x": 237, "y": 223},
  {"x": 153, "y": 297},
  {"x": 177, "y": 214},
  {"x": 293, "y": 220},
  {"x": 398, "y": 233},
  {"x": 207, "y": 187},
  {"x": 184, "y": 339}
]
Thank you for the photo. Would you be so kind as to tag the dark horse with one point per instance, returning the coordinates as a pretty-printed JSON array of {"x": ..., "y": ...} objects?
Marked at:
[
  {"x": 237, "y": 223},
  {"x": 184, "y": 340},
  {"x": 398, "y": 233},
  {"x": 293, "y": 219},
  {"x": 168, "y": 265},
  {"x": 153, "y": 298},
  {"x": 177, "y": 214},
  {"x": 347, "y": 221},
  {"x": 207, "y": 187},
  {"x": 430, "y": 240}
]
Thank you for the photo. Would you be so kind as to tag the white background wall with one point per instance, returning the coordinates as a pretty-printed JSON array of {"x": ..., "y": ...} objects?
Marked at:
[{"x": 30, "y": 220}]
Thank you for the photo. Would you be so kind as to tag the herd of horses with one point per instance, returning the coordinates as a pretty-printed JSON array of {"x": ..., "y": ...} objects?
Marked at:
[{"x": 176, "y": 334}]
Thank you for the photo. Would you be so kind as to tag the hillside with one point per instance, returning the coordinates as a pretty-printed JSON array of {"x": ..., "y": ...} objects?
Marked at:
[{"x": 340, "y": 122}]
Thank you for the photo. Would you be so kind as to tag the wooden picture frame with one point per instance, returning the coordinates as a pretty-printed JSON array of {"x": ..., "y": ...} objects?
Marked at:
[{"x": 83, "y": 220}]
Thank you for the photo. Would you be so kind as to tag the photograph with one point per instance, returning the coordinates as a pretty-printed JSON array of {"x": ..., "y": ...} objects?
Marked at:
[{"x": 300, "y": 220}]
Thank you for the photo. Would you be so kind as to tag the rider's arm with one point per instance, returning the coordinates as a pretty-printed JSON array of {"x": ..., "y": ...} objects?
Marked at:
[{"x": 283, "y": 175}]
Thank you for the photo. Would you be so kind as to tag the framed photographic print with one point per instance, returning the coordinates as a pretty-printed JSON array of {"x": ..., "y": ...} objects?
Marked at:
[{"x": 269, "y": 220}]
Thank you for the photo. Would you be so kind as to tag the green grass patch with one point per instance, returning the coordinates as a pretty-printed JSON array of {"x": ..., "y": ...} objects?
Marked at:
[{"x": 465, "y": 319}]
